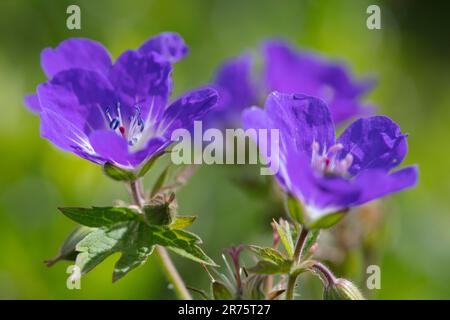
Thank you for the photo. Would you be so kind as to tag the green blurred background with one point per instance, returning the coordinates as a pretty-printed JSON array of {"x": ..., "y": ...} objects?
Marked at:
[{"x": 409, "y": 56}]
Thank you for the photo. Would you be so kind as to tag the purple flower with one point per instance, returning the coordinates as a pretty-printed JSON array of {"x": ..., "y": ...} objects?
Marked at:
[
  {"x": 115, "y": 112},
  {"x": 237, "y": 91},
  {"x": 329, "y": 175},
  {"x": 288, "y": 70}
]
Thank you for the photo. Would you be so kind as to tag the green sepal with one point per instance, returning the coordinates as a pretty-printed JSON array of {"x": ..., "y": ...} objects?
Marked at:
[
  {"x": 117, "y": 173},
  {"x": 326, "y": 221},
  {"x": 149, "y": 164},
  {"x": 295, "y": 209}
]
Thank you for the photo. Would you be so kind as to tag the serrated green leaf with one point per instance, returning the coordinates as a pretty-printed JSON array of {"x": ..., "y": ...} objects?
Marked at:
[
  {"x": 99, "y": 216},
  {"x": 266, "y": 267},
  {"x": 117, "y": 173},
  {"x": 67, "y": 249},
  {"x": 286, "y": 238},
  {"x": 181, "y": 222},
  {"x": 181, "y": 242},
  {"x": 220, "y": 291},
  {"x": 149, "y": 164},
  {"x": 268, "y": 254},
  {"x": 133, "y": 239}
]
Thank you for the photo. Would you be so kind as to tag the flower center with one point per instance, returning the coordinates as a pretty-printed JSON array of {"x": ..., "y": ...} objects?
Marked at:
[
  {"x": 326, "y": 162},
  {"x": 131, "y": 130}
]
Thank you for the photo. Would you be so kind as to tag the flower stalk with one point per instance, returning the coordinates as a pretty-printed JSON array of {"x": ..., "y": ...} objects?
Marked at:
[
  {"x": 166, "y": 263},
  {"x": 297, "y": 257}
]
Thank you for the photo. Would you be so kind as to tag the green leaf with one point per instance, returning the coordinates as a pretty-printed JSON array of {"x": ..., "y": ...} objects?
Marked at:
[
  {"x": 133, "y": 239},
  {"x": 67, "y": 249},
  {"x": 99, "y": 216},
  {"x": 220, "y": 291},
  {"x": 126, "y": 232},
  {"x": 117, "y": 173},
  {"x": 266, "y": 267},
  {"x": 181, "y": 242},
  {"x": 268, "y": 254},
  {"x": 285, "y": 236},
  {"x": 149, "y": 164},
  {"x": 311, "y": 239},
  {"x": 181, "y": 222},
  {"x": 159, "y": 182}
]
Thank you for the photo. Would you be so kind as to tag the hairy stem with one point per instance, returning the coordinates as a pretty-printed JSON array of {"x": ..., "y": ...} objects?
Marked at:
[
  {"x": 297, "y": 257},
  {"x": 166, "y": 263},
  {"x": 324, "y": 272},
  {"x": 135, "y": 193}
]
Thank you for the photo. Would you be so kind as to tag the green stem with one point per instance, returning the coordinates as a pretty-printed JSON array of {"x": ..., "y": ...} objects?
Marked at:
[
  {"x": 297, "y": 257},
  {"x": 172, "y": 274},
  {"x": 166, "y": 263}
]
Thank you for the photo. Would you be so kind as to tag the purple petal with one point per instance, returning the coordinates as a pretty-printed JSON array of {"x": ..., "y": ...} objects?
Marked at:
[
  {"x": 301, "y": 120},
  {"x": 76, "y": 53},
  {"x": 234, "y": 79},
  {"x": 170, "y": 45},
  {"x": 154, "y": 146},
  {"x": 188, "y": 108},
  {"x": 375, "y": 184},
  {"x": 142, "y": 80},
  {"x": 110, "y": 146},
  {"x": 320, "y": 194},
  {"x": 375, "y": 143},
  {"x": 80, "y": 96},
  {"x": 32, "y": 102},
  {"x": 257, "y": 119},
  {"x": 65, "y": 135},
  {"x": 291, "y": 71}
]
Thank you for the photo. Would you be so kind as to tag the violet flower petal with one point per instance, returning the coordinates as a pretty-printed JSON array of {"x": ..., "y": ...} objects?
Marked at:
[
  {"x": 75, "y": 53},
  {"x": 186, "y": 109},
  {"x": 375, "y": 143},
  {"x": 301, "y": 120},
  {"x": 375, "y": 184},
  {"x": 141, "y": 80},
  {"x": 170, "y": 45},
  {"x": 80, "y": 96},
  {"x": 291, "y": 71}
]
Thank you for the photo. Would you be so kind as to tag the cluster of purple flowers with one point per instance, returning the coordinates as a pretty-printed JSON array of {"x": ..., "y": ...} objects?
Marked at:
[
  {"x": 119, "y": 113},
  {"x": 115, "y": 112}
]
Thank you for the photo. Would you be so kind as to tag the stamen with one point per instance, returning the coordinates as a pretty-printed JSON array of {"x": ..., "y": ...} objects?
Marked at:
[
  {"x": 131, "y": 130},
  {"x": 327, "y": 164}
]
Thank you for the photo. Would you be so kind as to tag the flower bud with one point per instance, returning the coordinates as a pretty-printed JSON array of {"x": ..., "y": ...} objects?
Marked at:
[
  {"x": 160, "y": 211},
  {"x": 342, "y": 289}
]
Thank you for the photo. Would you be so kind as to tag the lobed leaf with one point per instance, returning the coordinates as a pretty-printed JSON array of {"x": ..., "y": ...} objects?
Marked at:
[{"x": 99, "y": 216}]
